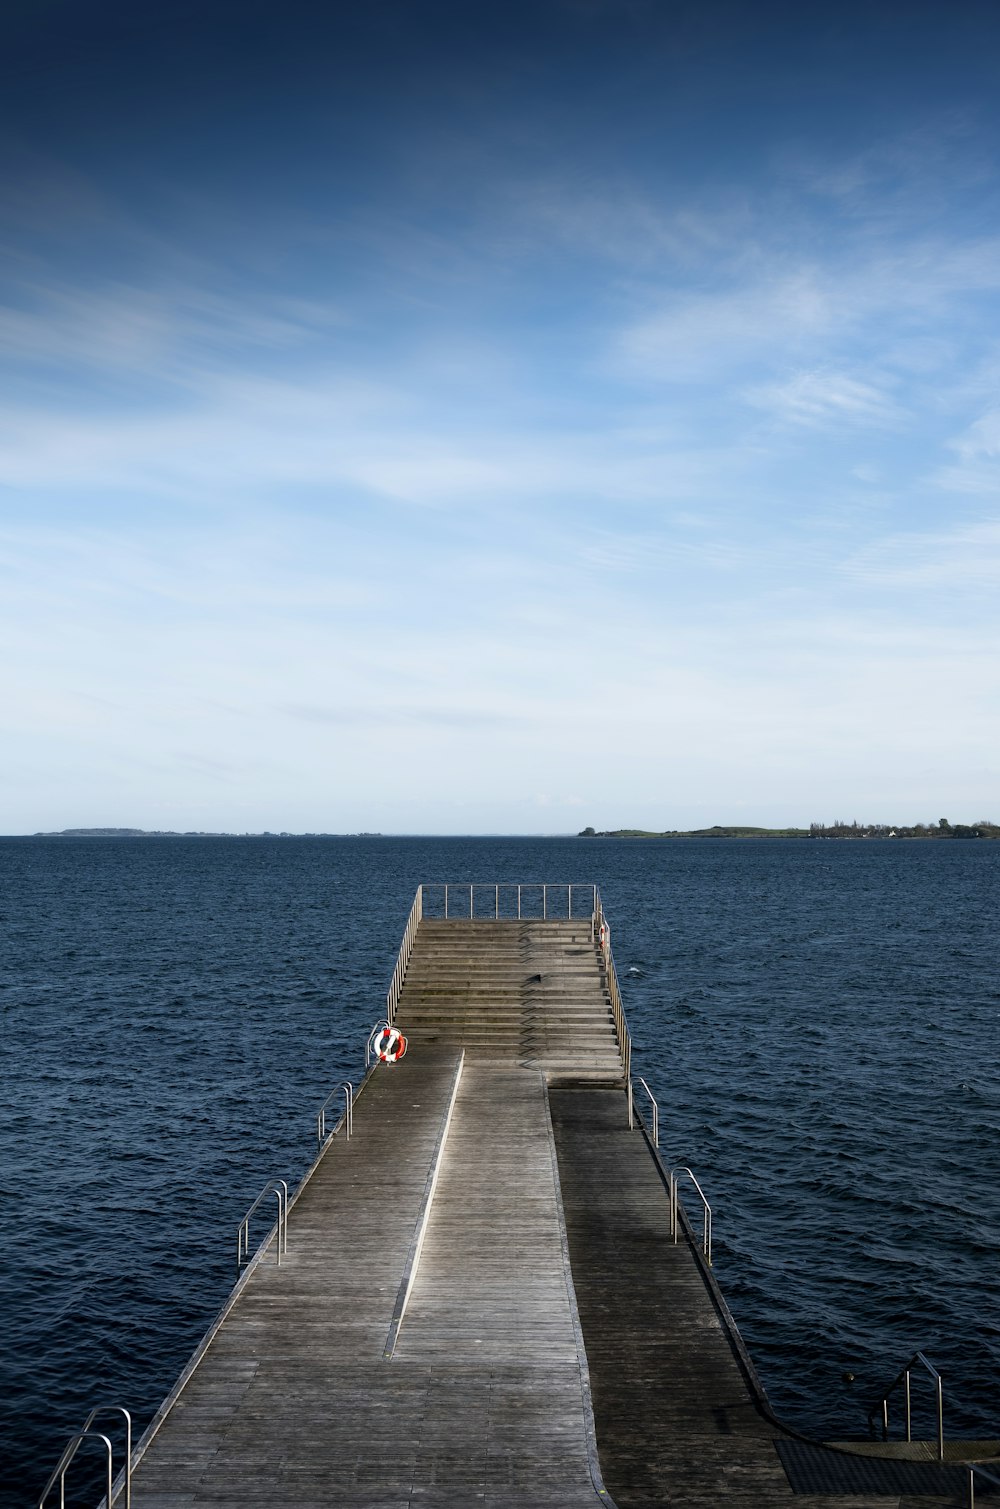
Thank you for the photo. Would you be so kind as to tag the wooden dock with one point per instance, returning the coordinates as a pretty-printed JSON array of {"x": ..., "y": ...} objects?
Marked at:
[{"x": 481, "y": 1303}]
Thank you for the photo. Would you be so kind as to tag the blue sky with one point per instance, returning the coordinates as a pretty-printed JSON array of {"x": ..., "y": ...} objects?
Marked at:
[{"x": 503, "y": 418}]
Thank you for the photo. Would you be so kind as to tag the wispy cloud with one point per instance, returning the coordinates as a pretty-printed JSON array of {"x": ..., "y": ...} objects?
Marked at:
[
  {"x": 828, "y": 399},
  {"x": 404, "y": 718},
  {"x": 963, "y": 559},
  {"x": 470, "y": 447}
]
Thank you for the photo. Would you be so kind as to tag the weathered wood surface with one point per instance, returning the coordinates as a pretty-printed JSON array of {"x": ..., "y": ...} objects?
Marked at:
[
  {"x": 531, "y": 991},
  {"x": 676, "y": 1421},
  {"x": 294, "y": 1405},
  {"x": 486, "y": 1398},
  {"x": 492, "y": 1304}
]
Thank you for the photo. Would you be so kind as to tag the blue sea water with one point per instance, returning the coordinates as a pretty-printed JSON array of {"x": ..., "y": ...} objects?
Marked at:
[{"x": 819, "y": 1020}]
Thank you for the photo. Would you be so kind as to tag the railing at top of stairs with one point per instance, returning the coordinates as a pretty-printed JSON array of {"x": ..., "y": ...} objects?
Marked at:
[
  {"x": 539, "y": 901},
  {"x": 509, "y": 901}
]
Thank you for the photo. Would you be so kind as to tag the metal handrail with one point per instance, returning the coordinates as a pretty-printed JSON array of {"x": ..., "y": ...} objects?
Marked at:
[
  {"x": 903, "y": 1377},
  {"x": 69, "y": 1452},
  {"x": 601, "y": 931},
  {"x": 117, "y": 1409},
  {"x": 676, "y": 1174},
  {"x": 975, "y": 1471},
  {"x": 383, "y": 1026},
  {"x": 346, "y": 1089},
  {"x": 552, "y": 897},
  {"x": 403, "y": 957},
  {"x": 276, "y": 1187},
  {"x": 652, "y": 1101}
]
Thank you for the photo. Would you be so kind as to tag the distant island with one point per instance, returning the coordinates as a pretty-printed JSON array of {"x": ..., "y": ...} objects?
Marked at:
[
  {"x": 191, "y": 833},
  {"x": 941, "y": 829}
]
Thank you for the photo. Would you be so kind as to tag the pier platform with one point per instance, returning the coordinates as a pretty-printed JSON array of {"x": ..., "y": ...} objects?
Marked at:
[{"x": 481, "y": 1302}]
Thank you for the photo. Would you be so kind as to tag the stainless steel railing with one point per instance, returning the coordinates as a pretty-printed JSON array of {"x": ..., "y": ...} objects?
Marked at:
[
  {"x": 602, "y": 936},
  {"x": 903, "y": 1377},
  {"x": 654, "y": 1130},
  {"x": 674, "y": 1175},
  {"x": 278, "y": 1188},
  {"x": 346, "y": 1089},
  {"x": 73, "y": 1446},
  {"x": 681, "y": 1171},
  {"x": 510, "y": 901},
  {"x": 403, "y": 957},
  {"x": 383, "y": 1026}
]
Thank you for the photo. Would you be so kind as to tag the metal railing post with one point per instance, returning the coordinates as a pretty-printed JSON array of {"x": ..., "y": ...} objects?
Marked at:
[
  {"x": 656, "y": 1111},
  {"x": 519, "y": 903},
  {"x": 383, "y": 1026},
  {"x": 279, "y": 1189},
  {"x": 62, "y": 1466},
  {"x": 346, "y": 1089},
  {"x": 903, "y": 1377},
  {"x": 974, "y": 1470},
  {"x": 706, "y": 1226},
  {"x": 545, "y": 908},
  {"x": 446, "y": 903}
]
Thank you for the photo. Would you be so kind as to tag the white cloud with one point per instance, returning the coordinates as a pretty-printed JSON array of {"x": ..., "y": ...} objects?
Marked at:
[
  {"x": 828, "y": 399},
  {"x": 705, "y": 335},
  {"x": 960, "y": 560}
]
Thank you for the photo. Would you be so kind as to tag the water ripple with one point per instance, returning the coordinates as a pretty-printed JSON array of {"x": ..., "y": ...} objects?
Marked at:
[{"x": 818, "y": 1021}]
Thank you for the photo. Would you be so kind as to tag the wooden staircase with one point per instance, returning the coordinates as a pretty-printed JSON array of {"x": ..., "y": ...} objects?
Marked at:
[{"x": 530, "y": 991}]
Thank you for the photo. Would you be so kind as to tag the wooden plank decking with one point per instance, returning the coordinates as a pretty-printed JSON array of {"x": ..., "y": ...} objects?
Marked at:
[
  {"x": 678, "y": 1419},
  {"x": 546, "y": 1280},
  {"x": 295, "y": 1404}
]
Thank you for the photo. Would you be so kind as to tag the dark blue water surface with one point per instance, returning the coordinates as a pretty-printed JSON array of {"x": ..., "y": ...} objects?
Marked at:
[{"x": 819, "y": 1020}]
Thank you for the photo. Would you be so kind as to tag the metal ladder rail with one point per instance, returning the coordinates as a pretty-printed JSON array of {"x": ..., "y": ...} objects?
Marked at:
[
  {"x": 346, "y": 1089},
  {"x": 903, "y": 1377},
  {"x": 73, "y": 1446},
  {"x": 676, "y": 1174},
  {"x": 632, "y": 1111},
  {"x": 62, "y": 1466},
  {"x": 279, "y": 1188}
]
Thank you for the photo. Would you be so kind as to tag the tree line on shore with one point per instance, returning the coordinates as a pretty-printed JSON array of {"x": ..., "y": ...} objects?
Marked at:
[
  {"x": 839, "y": 829},
  {"x": 941, "y": 829}
]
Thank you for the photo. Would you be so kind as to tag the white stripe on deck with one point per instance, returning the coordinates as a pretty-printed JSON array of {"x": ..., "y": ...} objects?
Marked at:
[
  {"x": 491, "y": 1301},
  {"x": 294, "y": 1406}
]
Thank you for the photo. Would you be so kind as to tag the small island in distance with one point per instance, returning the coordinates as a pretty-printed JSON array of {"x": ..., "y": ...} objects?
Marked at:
[
  {"x": 941, "y": 829},
  {"x": 191, "y": 833}
]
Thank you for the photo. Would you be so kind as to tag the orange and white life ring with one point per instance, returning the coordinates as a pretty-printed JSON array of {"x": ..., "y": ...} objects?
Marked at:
[
  {"x": 602, "y": 937},
  {"x": 389, "y": 1046}
]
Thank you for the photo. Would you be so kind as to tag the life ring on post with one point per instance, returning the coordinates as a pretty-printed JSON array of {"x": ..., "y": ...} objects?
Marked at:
[
  {"x": 602, "y": 938},
  {"x": 389, "y": 1046}
]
